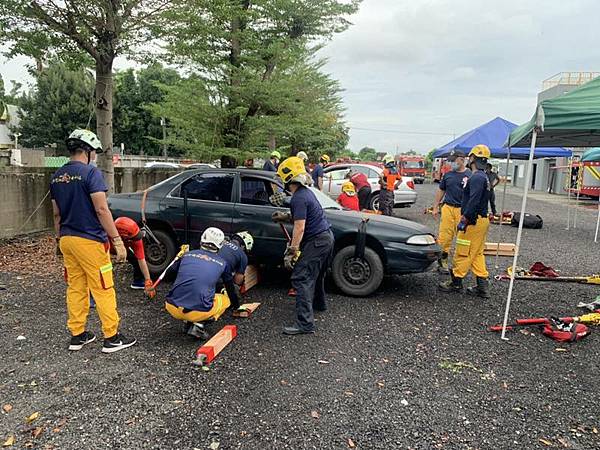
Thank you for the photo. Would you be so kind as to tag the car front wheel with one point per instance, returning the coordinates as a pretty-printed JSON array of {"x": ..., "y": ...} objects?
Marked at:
[
  {"x": 159, "y": 255},
  {"x": 357, "y": 277}
]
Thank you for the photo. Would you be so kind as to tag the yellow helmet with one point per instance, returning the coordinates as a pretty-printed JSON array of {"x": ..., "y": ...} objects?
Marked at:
[
  {"x": 292, "y": 170},
  {"x": 388, "y": 159},
  {"x": 480, "y": 151},
  {"x": 348, "y": 188},
  {"x": 325, "y": 158}
]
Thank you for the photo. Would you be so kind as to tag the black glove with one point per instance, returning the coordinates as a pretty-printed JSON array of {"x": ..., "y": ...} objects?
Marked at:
[{"x": 463, "y": 224}]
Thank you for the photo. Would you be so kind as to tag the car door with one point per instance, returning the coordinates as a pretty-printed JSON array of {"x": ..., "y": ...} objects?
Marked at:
[
  {"x": 333, "y": 180},
  {"x": 209, "y": 204},
  {"x": 252, "y": 213}
]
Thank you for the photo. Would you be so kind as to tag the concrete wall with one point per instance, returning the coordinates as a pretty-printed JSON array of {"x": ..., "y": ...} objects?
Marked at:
[{"x": 22, "y": 190}]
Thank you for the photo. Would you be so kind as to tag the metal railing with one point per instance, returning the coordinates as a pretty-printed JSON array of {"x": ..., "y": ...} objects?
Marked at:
[{"x": 569, "y": 79}]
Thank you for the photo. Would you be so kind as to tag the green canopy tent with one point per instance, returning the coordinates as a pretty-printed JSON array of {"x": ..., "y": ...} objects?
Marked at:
[{"x": 571, "y": 120}]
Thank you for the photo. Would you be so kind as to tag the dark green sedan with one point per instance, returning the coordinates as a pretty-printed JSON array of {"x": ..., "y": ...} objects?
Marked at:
[{"x": 238, "y": 199}]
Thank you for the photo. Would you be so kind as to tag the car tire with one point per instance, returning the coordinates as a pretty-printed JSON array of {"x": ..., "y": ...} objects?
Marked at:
[
  {"x": 159, "y": 256},
  {"x": 374, "y": 202},
  {"x": 357, "y": 278}
]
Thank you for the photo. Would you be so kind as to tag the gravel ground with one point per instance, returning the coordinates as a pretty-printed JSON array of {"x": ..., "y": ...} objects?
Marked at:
[{"x": 408, "y": 368}]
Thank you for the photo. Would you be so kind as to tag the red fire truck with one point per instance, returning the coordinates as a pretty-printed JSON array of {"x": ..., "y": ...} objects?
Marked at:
[{"x": 412, "y": 166}]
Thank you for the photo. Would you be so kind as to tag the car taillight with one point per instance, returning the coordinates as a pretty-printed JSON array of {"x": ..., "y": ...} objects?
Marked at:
[{"x": 410, "y": 184}]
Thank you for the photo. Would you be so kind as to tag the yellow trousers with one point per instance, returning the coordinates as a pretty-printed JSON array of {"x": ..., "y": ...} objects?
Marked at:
[
  {"x": 88, "y": 270},
  {"x": 220, "y": 304},
  {"x": 469, "y": 250},
  {"x": 449, "y": 218}
]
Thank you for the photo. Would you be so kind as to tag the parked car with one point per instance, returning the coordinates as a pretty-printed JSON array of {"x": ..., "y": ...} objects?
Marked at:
[
  {"x": 335, "y": 176},
  {"x": 200, "y": 166},
  {"x": 161, "y": 165},
  {"x": 238, "y": 199}
]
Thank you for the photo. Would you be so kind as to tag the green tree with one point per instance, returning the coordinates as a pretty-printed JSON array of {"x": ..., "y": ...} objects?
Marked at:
[
  {"x": 85, "y": 32},
  {"x": 135, "y": 125},
  {"x": 429, "y": 159},
  {"x": 367, "y": 154},
  {"x": 240, "y": 51},
  {"x": 60, "y": 102}
]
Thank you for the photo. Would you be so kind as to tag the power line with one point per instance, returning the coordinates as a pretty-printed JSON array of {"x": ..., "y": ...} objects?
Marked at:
[{"x": 426, "y": 133}]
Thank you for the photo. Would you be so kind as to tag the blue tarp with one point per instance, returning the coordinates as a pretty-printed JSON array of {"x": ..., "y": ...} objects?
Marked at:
[{"x": 494, "y": 134}]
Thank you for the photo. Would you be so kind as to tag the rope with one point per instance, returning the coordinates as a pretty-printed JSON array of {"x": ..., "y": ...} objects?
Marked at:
[{"x": 33, "y": 213}]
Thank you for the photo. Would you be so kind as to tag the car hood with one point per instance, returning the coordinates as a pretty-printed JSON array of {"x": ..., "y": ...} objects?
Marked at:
[{"x": 394, "y": 228}]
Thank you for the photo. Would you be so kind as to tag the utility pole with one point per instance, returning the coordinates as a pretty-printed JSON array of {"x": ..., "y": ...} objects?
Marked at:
[{"x": 163, "y": 124}]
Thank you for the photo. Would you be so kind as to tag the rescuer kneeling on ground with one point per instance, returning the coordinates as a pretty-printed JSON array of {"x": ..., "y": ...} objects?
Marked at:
[
  {"x": 472, "y": 229},
  {"x": 308, "y": 253},
  {"x": 192, "y": 297}
]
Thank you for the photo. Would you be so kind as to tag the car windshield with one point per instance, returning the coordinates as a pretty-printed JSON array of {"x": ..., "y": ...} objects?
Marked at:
[{"x": 413, "y": 164}]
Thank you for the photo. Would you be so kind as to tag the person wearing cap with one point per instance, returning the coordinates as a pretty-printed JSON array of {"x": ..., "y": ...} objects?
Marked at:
[
  {"x": 494, "y": 180},
  {"x": 348, "y": 198},
  {"x": 317, "y": 173},
  {"x": 273, "y": 161},
  {"x": 389, "y": 181},
  {"x": 449, "y": 195},
  {"x": 235, "y": 253},
  {"x": 362, "y": 187},
  {"x": 472, "y": 229},
  {"x": 84, "y": 226},
  {"x": 193, "y": 298}
]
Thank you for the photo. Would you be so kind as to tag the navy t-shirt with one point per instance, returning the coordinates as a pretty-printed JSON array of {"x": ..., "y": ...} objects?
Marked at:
[
  {"x": 198, "y": 272},
  {"x": 316, "y": 174},
  {"x": 453, "y": 184},
  {"x": 476, "y": 196},
  {"x": 269, "y": 166},
  {"x": 71, "y": 187},
  {"x": 305, "y": 206},
  {"x": 234, "y": 256}
]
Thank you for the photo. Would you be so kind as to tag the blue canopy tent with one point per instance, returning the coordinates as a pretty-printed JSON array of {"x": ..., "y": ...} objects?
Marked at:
[{"x": 494, "y": 134}]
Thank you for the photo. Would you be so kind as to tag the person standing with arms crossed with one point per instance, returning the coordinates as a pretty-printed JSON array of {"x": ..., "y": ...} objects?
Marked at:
[
  {"x": 494, "y": 180},
  {"x": 450, "y": 196},
  {"x": 309, "y": 251},
  {"x": 472, "y": 229},
  {"x": 84, "y": 224}
]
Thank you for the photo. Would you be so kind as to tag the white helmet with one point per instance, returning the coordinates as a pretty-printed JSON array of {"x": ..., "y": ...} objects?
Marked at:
[
  {"x": 247, "y": 239},
  {"x": 302, "y": 155},
  {"x": 84, "y": 139},
  {"x": 213, "y": 236}
]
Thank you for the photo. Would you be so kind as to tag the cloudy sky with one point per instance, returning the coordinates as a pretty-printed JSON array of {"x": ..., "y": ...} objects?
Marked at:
[{"x": 438, "y": 68}]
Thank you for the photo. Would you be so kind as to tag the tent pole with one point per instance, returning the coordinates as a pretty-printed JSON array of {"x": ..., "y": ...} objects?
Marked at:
[
  {"x": 569, "y": 193},
  {"x": 502, "y": 207},
  {"x": 597, "y": 222},
  {"x": 579, "y": 185},
  {"x": 519, "y": 233}
]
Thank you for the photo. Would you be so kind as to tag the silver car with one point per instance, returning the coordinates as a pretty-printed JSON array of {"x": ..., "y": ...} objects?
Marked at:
[{"x": 335, "y": 176}]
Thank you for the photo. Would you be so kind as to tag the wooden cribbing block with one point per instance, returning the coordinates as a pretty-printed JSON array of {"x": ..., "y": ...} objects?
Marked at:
[
  {"x": 504, "y": 249},
  {"x": 217, "y": 343},
  {"x": 251, "y": 279},
  {"x": 246, "y": 310}
]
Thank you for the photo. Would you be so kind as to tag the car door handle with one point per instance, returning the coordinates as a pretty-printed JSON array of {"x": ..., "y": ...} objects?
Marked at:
[{"x": 247, "y": 214}]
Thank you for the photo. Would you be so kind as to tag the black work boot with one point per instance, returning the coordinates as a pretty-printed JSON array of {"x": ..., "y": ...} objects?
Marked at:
[
  {"x": 443, "y": 263},
  {"x": 454, "y": 284},
  {"x": 481, "y": 289}
]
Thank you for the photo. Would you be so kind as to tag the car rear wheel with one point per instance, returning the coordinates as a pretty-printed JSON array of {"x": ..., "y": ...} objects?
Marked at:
[
  {"x": 357, "y": 277},
  {"x": 159, "y": 255}
]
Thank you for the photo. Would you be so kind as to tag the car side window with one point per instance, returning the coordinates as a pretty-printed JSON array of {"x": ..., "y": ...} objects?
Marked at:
[
  {"x": 256, "y": 191},
  {"x": 364, "y": 170},
  {"x": 372, "y": 174},
  {"x": 208, "y": 186},
  {"x": 337, "y": 175}
]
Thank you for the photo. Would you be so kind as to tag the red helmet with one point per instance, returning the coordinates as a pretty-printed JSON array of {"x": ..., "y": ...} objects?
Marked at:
[{"x": 128, "y": 229}]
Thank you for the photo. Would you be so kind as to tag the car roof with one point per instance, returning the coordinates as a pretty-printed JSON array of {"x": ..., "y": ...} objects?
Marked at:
[
  {"x": 241, "y": 171},
  {"x": 343, "y": 165}
]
